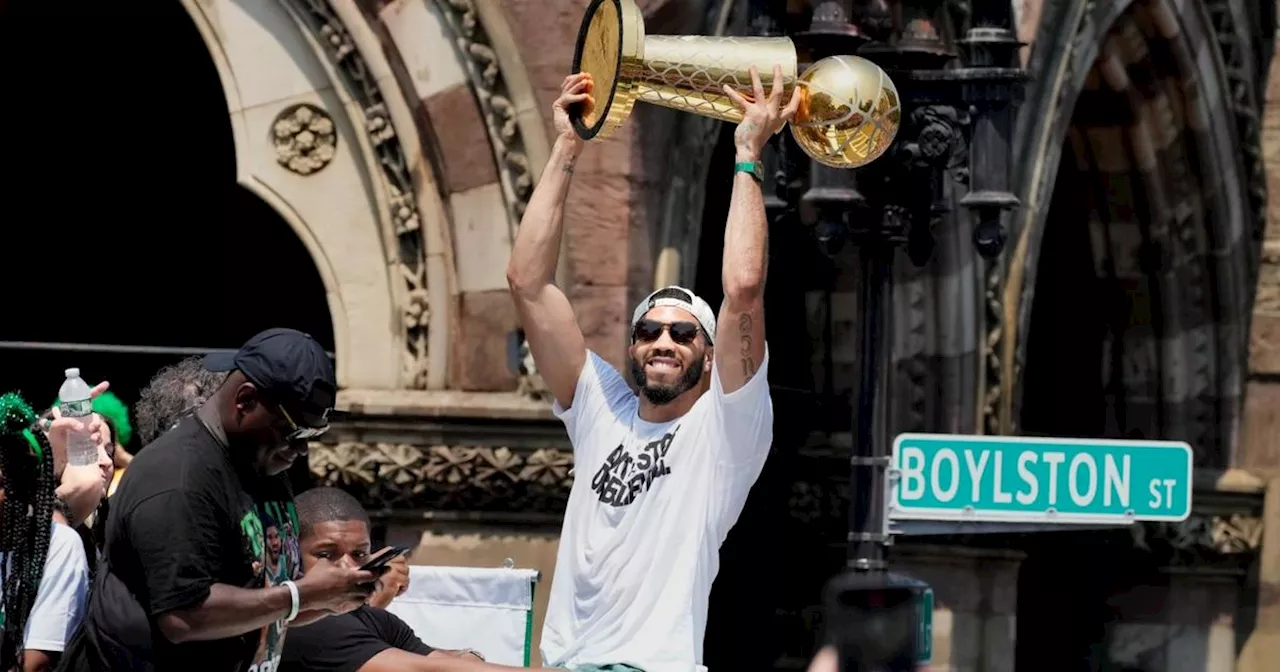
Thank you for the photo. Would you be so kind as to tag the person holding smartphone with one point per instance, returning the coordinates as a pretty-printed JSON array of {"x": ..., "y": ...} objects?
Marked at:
[
  {"x": 335, "y": 529},
  {"x": 186, "y": 577}
]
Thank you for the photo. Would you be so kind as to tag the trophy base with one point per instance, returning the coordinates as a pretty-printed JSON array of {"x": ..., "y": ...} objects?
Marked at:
[{"x": 610, "y": 44}]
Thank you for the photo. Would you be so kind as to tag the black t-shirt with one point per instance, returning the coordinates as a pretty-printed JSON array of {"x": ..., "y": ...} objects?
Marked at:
[
  {"x": 345, "y": 643},
  {"x": 186, "y": 516}
]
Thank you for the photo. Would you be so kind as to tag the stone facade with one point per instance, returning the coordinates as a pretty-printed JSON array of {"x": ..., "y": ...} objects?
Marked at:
[
  {"x": 976, "y": 598},
  {"x": 1261, "y": 447}
]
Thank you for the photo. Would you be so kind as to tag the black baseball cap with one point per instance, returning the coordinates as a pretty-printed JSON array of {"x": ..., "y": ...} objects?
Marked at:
[{"x": 290, "y": 368}]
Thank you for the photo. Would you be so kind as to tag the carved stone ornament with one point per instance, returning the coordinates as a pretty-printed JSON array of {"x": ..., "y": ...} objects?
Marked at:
[
  {"x": 471, "y": 478},
  {"x": 319, "y": 18},
  {"x": 305, "y": 138},
  {"x": 484, "y": 71},
  {"x": 1247, "y": 112},
  {"x": 1201, "y": 538}
]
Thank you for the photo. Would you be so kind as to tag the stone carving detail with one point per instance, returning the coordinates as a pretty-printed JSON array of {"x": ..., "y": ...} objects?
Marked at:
[
  {"x": 819, "y": 501},
  {"x": 304, "y": 137},
  {"x": 1244, "y": 106},
  {"x": 328, "y": 30},
  {"x": 992, "y": 299},
  {"x": 485, "y": 72},
  {"x": 1201, "y": 538},
  {"x": 474, "y": 478}
]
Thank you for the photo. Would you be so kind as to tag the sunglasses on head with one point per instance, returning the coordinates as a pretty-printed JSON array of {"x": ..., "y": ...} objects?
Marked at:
[
  {"x": 647, "y": 331},
  {"x": 299, "y": 433}
]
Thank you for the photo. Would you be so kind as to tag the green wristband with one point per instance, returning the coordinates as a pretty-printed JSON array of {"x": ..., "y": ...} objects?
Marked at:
[{"x": 751, "y": 168}]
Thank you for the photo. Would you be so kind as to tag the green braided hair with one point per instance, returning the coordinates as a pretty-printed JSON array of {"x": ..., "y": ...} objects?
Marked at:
[
  {"x": 26, "y": 462},
  {"x": 109, "y": 406}
]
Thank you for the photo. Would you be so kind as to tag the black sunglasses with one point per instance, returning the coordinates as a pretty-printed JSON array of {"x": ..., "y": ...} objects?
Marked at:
[
  {"x": 647, "y": 331},
  {"x": 299, "y": 433}
]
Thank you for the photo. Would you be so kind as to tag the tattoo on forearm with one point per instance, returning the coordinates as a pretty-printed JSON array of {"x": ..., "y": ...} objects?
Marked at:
[
  {"x": 568, "y": 167},
  {"x": 744, "y": 331}
]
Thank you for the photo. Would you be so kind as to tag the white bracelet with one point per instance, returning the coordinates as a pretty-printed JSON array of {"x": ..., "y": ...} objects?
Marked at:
[{"x": 293, "y": 596}]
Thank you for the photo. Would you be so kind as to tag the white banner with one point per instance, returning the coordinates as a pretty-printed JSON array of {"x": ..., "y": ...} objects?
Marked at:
[{"x": 489, "y": 610}]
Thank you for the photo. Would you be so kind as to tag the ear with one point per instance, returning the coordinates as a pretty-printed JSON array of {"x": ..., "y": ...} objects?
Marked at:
[
  {"x": 247, "y": 397},
  {"x": 708, "y": 360}
]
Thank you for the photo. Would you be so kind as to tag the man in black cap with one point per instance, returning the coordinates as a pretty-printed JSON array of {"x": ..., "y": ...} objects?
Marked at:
[{"x": 184, "y": 579}]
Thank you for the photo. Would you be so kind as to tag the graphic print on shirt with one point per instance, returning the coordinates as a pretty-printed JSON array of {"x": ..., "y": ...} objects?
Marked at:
[
  {"x": 270, "y": 534},
  {"x": 626, "y": 475}
]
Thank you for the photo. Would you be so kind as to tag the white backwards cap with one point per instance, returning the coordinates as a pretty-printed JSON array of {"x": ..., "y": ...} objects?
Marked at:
[{"x": 679, "y": 297}]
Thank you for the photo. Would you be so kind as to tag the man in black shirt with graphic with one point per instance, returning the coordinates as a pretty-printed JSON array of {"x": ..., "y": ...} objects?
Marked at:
[
  {"x": 185, "y": 580},
  {"x": 335, "y": 529}
]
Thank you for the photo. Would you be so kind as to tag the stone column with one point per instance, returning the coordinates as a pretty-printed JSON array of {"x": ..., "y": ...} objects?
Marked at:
[
  {"x": 1185, "y": 626},
  {"x": 975, "y": 604},
  {"x": 1261, "y": 648},
  {"x": 1260, "y": 449}
]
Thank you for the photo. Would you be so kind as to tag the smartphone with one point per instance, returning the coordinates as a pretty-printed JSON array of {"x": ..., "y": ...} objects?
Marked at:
[{"x": 378, "y": 563}]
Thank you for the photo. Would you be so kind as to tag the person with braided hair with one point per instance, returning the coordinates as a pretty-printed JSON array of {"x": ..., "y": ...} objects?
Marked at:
[{"x": 43, "y": 568}]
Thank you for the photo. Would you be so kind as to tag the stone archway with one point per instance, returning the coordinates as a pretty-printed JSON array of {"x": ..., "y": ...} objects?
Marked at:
[
  {"x": 279, "y": 86},
  {"x": 1194, "y": 210}
]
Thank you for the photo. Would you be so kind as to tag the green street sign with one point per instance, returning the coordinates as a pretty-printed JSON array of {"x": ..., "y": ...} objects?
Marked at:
[{"x": 1020, "y": 479}]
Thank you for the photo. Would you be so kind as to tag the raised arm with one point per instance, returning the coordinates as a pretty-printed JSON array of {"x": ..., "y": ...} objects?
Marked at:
[
  {"x": 549, "y": 324},
  {"x": 740, "y": 331}
]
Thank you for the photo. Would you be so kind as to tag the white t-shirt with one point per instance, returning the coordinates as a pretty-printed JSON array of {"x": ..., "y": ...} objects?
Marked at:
[
  {"x": 650, "y": 506},
  {"x": 61, "y": 597}
]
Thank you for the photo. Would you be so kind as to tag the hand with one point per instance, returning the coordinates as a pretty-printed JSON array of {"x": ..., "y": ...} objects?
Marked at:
[
  {"x": 825, "y": 661},
  {"x": 57, "y": 429},
  {"x": 762, "y": 115},
  {"x": 334, "y": 588},
  {"x": 392, "y": 584},
  {"x": 575, "y": 89},
  {"x": 81, "y": 487}
]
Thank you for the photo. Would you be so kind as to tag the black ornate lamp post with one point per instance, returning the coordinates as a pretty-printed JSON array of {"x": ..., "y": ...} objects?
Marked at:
[
  {"x": 948, "y": 112},
  {"x": 956, "y": 107}
]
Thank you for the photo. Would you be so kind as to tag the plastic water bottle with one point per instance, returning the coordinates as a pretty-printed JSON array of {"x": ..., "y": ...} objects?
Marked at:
[{"x": 75, "y": 402}]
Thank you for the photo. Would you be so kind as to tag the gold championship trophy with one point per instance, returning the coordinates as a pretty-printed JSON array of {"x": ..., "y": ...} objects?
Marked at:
[{"x": 849, "y": 111}]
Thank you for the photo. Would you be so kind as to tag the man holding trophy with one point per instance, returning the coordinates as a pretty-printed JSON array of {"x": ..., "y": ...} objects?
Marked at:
[{"x": 661, "y": 476}]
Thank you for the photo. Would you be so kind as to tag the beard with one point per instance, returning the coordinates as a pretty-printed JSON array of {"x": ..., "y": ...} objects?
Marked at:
[{"x": 659, "y": 394}]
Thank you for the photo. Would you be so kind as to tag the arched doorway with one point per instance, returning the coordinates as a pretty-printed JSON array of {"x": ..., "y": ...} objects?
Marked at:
[
  {"x": 1141, "y": 280},
  {"x": 125, "y": 225}
]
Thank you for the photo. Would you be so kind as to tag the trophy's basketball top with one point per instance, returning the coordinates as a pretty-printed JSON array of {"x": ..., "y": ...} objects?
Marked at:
[{"x": 849, "y": 112}]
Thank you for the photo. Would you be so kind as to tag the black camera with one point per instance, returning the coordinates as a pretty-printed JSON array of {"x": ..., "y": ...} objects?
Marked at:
[{"x": 875, "y": 621}]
